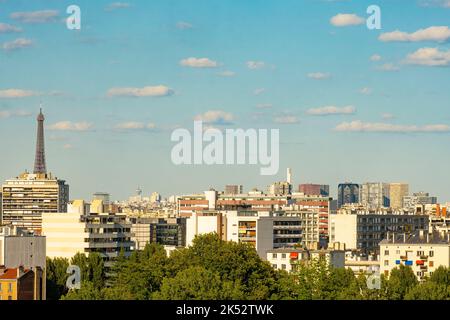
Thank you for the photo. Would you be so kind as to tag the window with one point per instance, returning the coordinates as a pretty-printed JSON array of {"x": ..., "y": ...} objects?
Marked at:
[
  {"x": 283, "y": 256},
  {"x": 274, "y": 266},
  {"x": 431, "y": 263},
  {"x": 386, "y": 262},
  {"x": 283, "y": 266},
  {"x": 420, "y": 253},
  {"x": 431, "y": 253},
  {"x": 274, "y": 255},
  {"x": 397, "y": 252},
  {"x": 386, "y": 252},
  {"x": 9, "y": 287},
  {"x": 419, "y": 273}
]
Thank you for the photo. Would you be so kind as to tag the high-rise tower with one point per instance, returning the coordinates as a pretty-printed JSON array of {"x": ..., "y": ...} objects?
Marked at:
[
  {"x": 26, "y": 197},
  {"x": 39, "y": 160}
]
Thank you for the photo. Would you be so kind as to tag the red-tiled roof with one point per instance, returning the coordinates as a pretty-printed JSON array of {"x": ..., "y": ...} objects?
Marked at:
[{"x": 10, "y": 274}]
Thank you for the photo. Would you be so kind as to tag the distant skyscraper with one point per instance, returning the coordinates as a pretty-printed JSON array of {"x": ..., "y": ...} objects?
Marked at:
[
  {"x": 418, "y": 198},
  {"x": 26, "y": 197},
  {"x": 396, "y": 193},
  {"x": 348, "y": 193},
  {"x": 374, "y": 195},
  {"x": 310, "y": 189},
  {"x": 289, "y": 175},
  {"x": 103, "y": 196},
  {"x": 234, "y": 189}
]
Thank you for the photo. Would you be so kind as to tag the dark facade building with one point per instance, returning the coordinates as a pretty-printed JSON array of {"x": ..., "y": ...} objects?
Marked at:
[
  {"x": 310, "y": 189},
  {"x": 348, "y": 193}
]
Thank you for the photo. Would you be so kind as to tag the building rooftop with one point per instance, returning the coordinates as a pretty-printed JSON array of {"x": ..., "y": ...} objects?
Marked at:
[
  {"x": 12, "y": 273},
  {"x": 421, "y": 237}
]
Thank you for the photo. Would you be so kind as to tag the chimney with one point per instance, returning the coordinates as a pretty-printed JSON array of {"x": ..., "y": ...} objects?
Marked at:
[
  {"x": 20, "y": 271},
  {"x": 404, "y": 237}
]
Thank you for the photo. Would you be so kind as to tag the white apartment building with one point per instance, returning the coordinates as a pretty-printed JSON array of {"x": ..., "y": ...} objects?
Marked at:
[
  {"x": 363, "y": 230},
  {"x": 264, "y": 231},
  {"x": 424, "y": 252},
  {"x": 290, "y": 259},
  {"x": 85, "y": 229}
]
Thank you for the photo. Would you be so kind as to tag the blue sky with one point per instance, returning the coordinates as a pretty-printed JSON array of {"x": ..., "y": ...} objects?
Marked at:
[{"x": 352, "y": 104}]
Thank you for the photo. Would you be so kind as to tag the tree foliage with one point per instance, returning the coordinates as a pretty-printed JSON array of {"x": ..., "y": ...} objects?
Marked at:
[{"x": 219, "y": 270}]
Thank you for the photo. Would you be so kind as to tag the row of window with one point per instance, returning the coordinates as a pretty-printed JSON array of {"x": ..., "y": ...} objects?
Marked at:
[{"x": 418, "y": 253}]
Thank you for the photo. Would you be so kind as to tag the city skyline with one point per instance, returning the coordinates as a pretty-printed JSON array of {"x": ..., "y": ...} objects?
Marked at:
[{"x": 113, "y": 92}]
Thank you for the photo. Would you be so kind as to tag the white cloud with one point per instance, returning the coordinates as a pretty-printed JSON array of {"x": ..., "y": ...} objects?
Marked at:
[
  {"x": 429, "y": 57},
  {"x": 17, "y": 93},
  {"x": 184, "y": 25},
  {"x": 359, "y": 126},
  {"x": 286, "y": 119},
  {"x": 434, "y": 33},
  {"x": 42, "y": 16},
  {"x": 365, "y": 90},
  {"x": 319, "y": 75},
  {"x": 435, "y": 3},
  {"x": 258, "y": 91},
  {"x": 117, "y": 5},
  {"x": 14, "y": 113},
  {"x": 198, "y": 63},
  {"x": 331, "y": 110},
  {"x": 70, "y": 126},
  {"x": 255, "y": 65},
  {"x": 8, "y": 28},
  {"x": 156, "y": 91},
  {"x": 19, "y": 43},
  {"x": 375, "y": 57},
  {"x": 227, "y": 73},
  {"x": 346, "y": 19},
  {"x": 388, "y": 67},
  {"x": 131, "y": 125},
  {"x": 217, "y": 117}
]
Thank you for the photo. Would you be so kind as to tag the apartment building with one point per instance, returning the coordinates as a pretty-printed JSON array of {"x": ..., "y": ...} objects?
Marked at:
[
  {"x": 290, "y": 259},
  {"x": 348, "y": 193},
  {"x": 87, "y": 228},
  {"x": 315, "y": 212},
  {"x": 21, "y": 248},
  {"x": 375, "y": 195},
  {"x": 423, "y": 251},
  {"x": 234, "y": 189},
  {"x": 311, "y": 189},
  {"x": 418, "y": 198},
  {"x": 363, "y": 230},
  {"x": 26, "y": 197},
  {"x": 397, "y": 191},
  {"x": 212, "y": 200},
  {"x": 263, "y": 231},
  {"x": 164, "y": 231}
]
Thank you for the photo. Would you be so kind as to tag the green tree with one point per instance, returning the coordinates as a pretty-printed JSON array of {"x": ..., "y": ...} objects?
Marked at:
[
  {"x": 87, "y": 291},
  {"x": 429, "y": 291},
  {"x": 198, "y": 283},
  {"x": 56, "y": 277},
  {"x": 400, "y": 281}
]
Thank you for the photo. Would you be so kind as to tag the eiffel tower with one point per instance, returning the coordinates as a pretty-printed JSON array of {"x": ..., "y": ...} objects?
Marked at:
[{"x": 39, "y": 160}]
